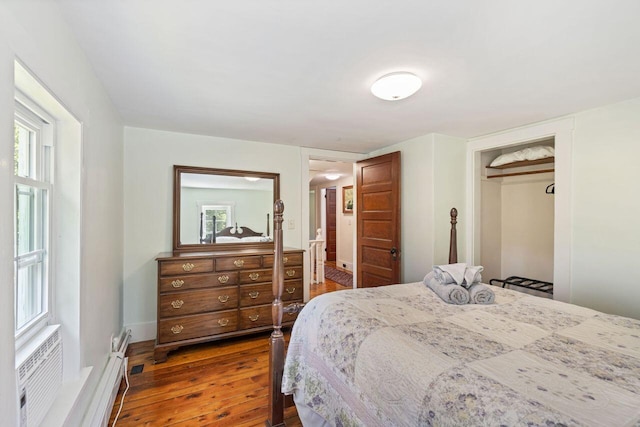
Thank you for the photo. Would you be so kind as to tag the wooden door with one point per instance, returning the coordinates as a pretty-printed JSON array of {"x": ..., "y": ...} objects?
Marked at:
[
  {"x": 331, "y": 224},
  {"x": 378, "y": 217}
]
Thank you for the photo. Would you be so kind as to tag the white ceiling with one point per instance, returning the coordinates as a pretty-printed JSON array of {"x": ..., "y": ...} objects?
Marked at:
[
  {"x": 298, "y": 71},
  {"x": 318, "y": 169}
]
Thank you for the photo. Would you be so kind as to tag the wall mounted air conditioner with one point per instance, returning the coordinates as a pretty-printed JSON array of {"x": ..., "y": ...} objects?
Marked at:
[{"x": 39, "y": 375}]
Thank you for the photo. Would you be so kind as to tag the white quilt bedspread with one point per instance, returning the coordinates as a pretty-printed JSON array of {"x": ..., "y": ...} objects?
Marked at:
[{"x": 399, "y": 356}]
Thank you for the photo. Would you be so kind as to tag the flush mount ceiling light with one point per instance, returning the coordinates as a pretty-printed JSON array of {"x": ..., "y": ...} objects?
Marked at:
[
  {"x": 396, "y": 86},
  {"x": 332, "y": 176},
  {"x": 251, "y": 178}
]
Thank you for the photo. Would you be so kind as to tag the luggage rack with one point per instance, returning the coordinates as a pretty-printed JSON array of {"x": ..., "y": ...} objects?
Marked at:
[{"x": 523, "y": 282}]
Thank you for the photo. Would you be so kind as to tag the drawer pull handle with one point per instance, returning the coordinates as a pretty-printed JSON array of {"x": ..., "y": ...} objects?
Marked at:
[
  {"x": 177, "y": 329},
  {"x": 254, "y": 317},
  {"x": 223, "y": 322},
  {"x": 254, "y": 276},
  {"x": 291, "y": 273},
  {"x": 291, "y": 290},
  {"x": 223, "y": 279},
  {"x": 284, "y": 260},
  {"x": 177, "y": 283},
  {"x": 187, "y": 266},
  {"x": 177, "y": 303},
  {"x": 254, "y": 294},
  {"x": 238, "y": 263},
  {"x": 223, "y": 298}
]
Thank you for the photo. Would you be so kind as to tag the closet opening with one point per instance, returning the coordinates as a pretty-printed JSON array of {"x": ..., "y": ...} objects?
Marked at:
[{"x": 517, "y": 190}]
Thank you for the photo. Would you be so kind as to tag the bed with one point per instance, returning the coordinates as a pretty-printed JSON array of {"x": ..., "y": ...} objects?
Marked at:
[
  {"x": 399, "y": 356},
  {"x": 234, "y": 234}
]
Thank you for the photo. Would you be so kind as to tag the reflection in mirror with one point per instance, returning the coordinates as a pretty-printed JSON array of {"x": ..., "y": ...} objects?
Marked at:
[{"x": 222, "y": 207}]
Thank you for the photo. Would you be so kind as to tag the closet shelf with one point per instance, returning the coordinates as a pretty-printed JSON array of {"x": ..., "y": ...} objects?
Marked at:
[{"x": 520, "y": 164}]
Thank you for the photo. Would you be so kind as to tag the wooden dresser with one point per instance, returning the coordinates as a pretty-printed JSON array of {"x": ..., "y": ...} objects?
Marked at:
[{"x": 216, "y": 295}]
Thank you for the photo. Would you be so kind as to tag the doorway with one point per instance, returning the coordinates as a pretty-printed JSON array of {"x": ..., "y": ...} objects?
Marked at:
[
  {"x": 329, "y": 223},
  {"x": 517, "y": 221},
  {"x": 561, "y": 131}
]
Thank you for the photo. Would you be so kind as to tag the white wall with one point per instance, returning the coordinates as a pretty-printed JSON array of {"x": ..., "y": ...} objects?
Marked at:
[
  {"x": 345, "y": 228},
  {"x": 517, "y": 227},
  {"x": 430, "y": 188},
  {"x": 7, "y": 343},
  {"x": 36, "y": 33},
  {"x": 596, "y": 195},
  {"x": 491, "y": 230},
  {"x": 449, "y": 165},
  {"x": 149, "y": 159},
  {"x": 527, "y": 228},
  {"x": 606, "y": 209}
]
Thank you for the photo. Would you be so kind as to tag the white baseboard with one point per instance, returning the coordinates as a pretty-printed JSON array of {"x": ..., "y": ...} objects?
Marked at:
[
  {"x": 99, "y": 410},
  {"x": 344, "y": 264},
  {"x": 142, "y": 331}
]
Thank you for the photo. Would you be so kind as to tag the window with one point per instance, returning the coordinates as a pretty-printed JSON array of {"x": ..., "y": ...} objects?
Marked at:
[
  {"x": 219, "y": 216},
  {"x": 32, "y": 169}
]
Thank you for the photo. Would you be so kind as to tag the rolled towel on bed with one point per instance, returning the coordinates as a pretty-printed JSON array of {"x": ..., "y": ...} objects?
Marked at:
[
  {"x": 479, "y": 293},
  {"x": 449, "y": 293}
]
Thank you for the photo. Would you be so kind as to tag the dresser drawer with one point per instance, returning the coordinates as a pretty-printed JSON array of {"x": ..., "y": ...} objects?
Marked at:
[
  {"x": 196, "y": 281},
  {"x": 292, "y": 273},
  {"x": 288, "y": 259},
  {"x": 186, "y": 266},
  {"x": 256, "y": 276},
  {"x": 255, "y": 294},
  {"x": 238, "y": 263},
  {"x": 199, "y": 325},
  {"x": 263, "y": 293},
  {"x": 292, "y": 291},
  {"x": 255, "y": 317},
  {"x": 199, "y": 301}
]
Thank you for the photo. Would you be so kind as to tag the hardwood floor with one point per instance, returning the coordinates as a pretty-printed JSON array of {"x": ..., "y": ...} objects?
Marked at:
[
  {"x": 328, "y": 285},
  {"x": 223, "y": 383}
]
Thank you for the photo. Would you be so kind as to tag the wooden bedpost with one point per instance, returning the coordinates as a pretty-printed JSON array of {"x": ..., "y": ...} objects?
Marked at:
[
  {"x": 453, "y": 240},
  {"x": 276, "y": 343}
]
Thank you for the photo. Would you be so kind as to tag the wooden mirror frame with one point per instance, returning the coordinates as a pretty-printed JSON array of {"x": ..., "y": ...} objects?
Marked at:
[{"x": 205, "y": 247}]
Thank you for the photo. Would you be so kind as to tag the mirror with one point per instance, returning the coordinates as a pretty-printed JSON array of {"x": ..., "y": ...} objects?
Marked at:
[{"x": 219, "y": 209}]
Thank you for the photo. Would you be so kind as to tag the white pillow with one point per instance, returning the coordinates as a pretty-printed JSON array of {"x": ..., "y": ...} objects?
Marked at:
[{"x": 531, "y": 153}]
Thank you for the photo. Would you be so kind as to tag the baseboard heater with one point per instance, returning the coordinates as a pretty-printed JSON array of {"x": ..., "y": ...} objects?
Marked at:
[{"x": 99, "y": 410}]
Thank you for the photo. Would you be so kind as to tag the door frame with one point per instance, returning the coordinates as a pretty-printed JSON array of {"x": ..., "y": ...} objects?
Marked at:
[
  {"x": 307, "y": 154},
  {"x": 327, "y": 214},
  {"x": 562, "y": 132}
]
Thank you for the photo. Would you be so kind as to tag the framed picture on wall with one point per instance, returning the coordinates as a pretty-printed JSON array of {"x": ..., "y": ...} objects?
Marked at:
[{"x": 347, "y": 199}]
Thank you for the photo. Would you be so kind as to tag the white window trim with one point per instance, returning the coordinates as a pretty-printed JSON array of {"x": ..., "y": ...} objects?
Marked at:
[
  {"x": 231, "y": 205},
  {"x": 31, "y": 115}
]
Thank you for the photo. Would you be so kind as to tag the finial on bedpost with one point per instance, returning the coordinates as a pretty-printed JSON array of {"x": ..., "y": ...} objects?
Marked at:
[
  {"x": 453, "y": 240},
  {"x": 276, "y": 355}
]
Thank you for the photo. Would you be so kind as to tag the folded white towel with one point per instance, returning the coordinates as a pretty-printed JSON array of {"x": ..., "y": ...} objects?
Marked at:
[
  {"x": 472, "y": 275},
  {"x": 450, "y": 273}
]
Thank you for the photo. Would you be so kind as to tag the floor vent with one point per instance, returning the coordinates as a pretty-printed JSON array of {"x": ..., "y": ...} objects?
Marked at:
[{"x": 39, "y": 375}]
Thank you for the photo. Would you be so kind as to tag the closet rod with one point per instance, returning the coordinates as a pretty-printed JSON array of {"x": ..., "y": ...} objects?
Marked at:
[{"x": 520, "y": 173}]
